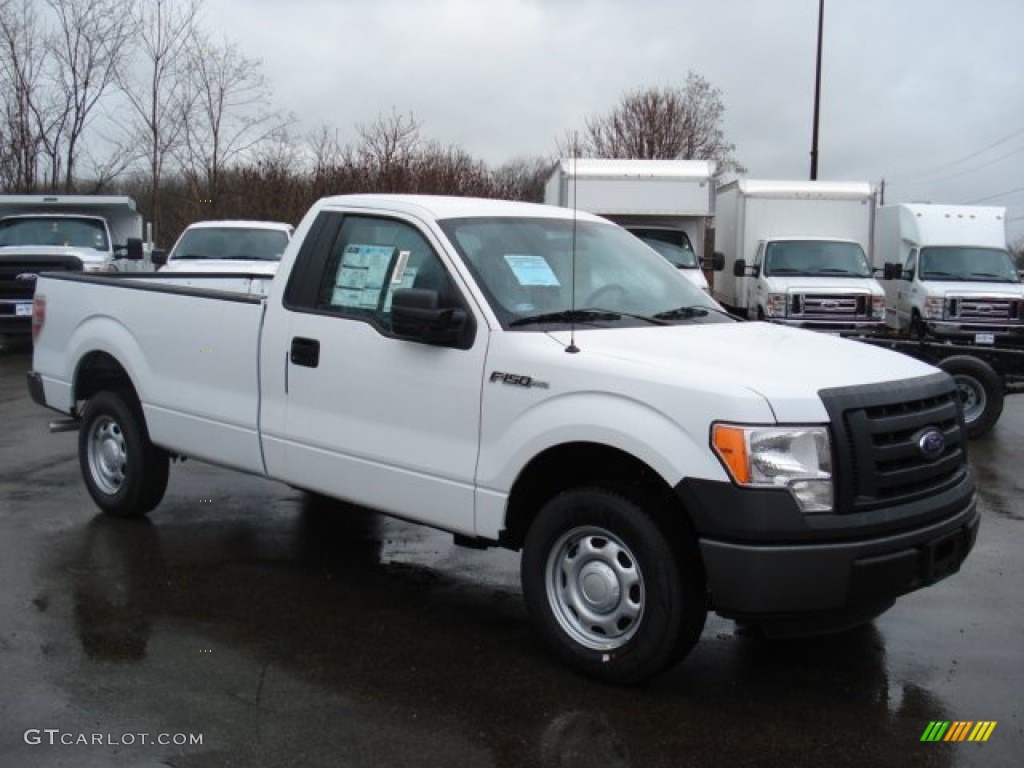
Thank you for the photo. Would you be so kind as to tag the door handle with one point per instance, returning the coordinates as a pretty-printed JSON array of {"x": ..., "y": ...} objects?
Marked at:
[{"x": 305, "y": 352}]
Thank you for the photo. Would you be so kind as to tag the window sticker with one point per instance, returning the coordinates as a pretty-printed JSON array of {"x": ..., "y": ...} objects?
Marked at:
[
  {"x": 408, "y": 278},
  {"x": 531, "y": 270},
  {"x": 361, "y": 275},
  {"x": 399, "y": 274}
]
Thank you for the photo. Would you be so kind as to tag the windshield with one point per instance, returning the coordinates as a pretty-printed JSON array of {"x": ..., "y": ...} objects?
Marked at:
[
  {"x": 63, "y": 231},
  {"x": 525, "y": 268},
  {"x": 245, "y": 243},
  {"x": 986, "y": 265},
  {"x": 673, "y": 244},
  {"x": 816, "y": 258}
]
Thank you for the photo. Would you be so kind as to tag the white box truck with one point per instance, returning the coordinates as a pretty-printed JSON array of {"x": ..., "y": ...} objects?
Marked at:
[
  {"x": 796, "y": 253},
  {"x": 951, "y": 275},
  {"x": 57, "y": 233},
  {"x": 669, "y": 204}
]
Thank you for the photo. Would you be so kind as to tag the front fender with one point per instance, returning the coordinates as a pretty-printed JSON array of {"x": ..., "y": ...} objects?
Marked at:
[{"x": 610, "y": 419}]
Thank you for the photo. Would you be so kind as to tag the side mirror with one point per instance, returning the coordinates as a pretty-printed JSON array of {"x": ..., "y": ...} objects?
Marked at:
[
  {"x": 717, "y": 261},
  {"x": 132, "y": 250},
  {"x": 417, "y": 315},
  {"x": 739, "y": 268},
  {"x": 158, "y": 257},
  {"x": 892, "y": 271}
]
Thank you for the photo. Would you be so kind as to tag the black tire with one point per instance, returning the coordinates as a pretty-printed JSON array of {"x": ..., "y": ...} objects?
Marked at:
[
  {"x": 918, "y": 330},
  {"x": 981, "y": 392},
  {"x": 646, "y": 604},
  {"x": 125, "y": 473}
]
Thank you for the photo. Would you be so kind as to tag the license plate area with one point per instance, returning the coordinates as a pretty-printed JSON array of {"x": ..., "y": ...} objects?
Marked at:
[{"x": 942, "y": 557}]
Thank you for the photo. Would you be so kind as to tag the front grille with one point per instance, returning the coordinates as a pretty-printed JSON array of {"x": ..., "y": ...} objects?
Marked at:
[
  {"x": 14, "y": 281},
  {"x": 878, "y": 429},
  {"x": 830, "y": 306},
  {"x": 982, "y": 310}
]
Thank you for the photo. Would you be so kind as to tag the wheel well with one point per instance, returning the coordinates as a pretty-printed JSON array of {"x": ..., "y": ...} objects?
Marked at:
[
  {"x": 575, "y": 464},
  {"x": 99, "y": 371}
]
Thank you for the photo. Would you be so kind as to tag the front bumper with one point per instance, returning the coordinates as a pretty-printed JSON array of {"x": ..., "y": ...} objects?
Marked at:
[
  {"x": 16, "y": 316},
  {"x": 831, "y": 324},
  {"x": 949, "y": 329},
  {"x": 828, "y": 571}
]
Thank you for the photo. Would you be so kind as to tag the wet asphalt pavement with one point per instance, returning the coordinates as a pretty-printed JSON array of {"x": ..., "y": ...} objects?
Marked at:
[{"x": 281, "y": 632}]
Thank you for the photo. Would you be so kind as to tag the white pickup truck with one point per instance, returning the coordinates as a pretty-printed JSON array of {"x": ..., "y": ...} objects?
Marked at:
[
  {"x": 228, "y": 246},
  {"x": 51, "y": 233},
  {"x": 527, "y": 377}
]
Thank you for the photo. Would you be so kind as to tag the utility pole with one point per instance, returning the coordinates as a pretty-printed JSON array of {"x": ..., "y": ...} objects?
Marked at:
[{"x": 817, "y": 94}]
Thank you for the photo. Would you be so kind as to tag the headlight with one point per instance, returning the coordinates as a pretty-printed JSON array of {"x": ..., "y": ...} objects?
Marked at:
[
  {"x": 798, "y": 459},
  {"x": 933, "y": 307},
  {"x": 776, "y": 305},
  {"x": 878, "y": 307},
  {"x": 102, "y": 267}
]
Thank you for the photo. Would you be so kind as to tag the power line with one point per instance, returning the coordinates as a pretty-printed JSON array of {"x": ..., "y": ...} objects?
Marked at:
[
  {"x": 993, "y": 197},
  {"x": 958, "y": 174},
  {"x": 940, "y": 169}
]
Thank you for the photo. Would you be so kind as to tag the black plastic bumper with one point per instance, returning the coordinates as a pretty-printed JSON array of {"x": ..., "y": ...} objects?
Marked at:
[
  {"x": 35, "y": 388},
  {"x": 20, "y": 325},
  {"x": 833, "y": 571}
]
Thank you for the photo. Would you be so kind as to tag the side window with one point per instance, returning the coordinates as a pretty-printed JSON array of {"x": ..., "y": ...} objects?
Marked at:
[
  {"x": 911, "y": 266},
  {"x": 369, "y": 260}
]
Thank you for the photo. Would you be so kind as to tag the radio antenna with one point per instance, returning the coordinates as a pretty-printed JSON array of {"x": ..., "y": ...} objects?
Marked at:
[{"x": 572, "y": 349}]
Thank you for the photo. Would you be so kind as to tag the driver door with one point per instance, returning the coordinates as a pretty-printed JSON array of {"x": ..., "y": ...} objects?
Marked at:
[{"x": 362, "y": 414}]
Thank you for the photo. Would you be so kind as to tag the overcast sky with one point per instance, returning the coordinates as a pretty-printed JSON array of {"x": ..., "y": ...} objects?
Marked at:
[{"x": 927, "y": 94}]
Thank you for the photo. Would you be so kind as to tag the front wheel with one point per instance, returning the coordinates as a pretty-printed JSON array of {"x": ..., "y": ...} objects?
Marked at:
[
  {"x": 607, "y": 590},
  {"x": 125, "y": 473}
]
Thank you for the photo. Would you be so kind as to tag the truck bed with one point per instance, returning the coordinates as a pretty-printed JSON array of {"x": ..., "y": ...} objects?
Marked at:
[{"x": 189, "y": 343}]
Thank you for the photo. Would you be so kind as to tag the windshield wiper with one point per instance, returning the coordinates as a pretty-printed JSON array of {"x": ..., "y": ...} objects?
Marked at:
[
  {"x": 567, "y": 316},
  {"x": 1000, "y": 278},
  {"x": 687, "y": 312},
  {"x": 582, "y": 316}
]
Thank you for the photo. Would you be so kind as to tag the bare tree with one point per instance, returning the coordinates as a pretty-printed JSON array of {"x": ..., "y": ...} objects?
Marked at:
[
  {"x": 386, "y": 151},
  {"x": 22, "y": 58},
  {"x": 227, "y": 117},
  {"x": 664, "y": 123},
  {"x": 522, "y": 179},
  {"x": 157, "y": 91},
  {"x": 87, "y": 48}
]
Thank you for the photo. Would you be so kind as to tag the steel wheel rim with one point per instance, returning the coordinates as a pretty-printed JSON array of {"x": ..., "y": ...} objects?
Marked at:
[
  {"x": 107, "y": 454},
  {"x": 595, "y": 588},
  {"x": 972, "y": 397}
]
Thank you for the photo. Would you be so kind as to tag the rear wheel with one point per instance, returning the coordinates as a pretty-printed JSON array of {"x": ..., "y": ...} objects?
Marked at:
[
  {"x": 606, "y": 589},
  {"x": 980, "y": 389},
  {"x": 125, "y": 473}
]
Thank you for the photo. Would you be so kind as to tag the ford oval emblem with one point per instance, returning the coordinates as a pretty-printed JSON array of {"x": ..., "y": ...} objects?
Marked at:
[
  {"x": 931, "y": 443},
  {"x": 26, "y": 276}
]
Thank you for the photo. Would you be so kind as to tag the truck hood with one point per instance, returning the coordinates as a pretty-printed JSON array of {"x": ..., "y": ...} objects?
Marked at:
[
  {"x": 223, "y": 266},
  {"x": 786, "y": 366},
  {"x": 28, "y": 253},
  {"x": 976, "y": 290},
  {"x": 824, "y": 284}
]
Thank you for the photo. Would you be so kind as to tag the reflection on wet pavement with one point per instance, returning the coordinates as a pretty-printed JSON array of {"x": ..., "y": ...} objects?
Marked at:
[{"x": 293, "y": 631}]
